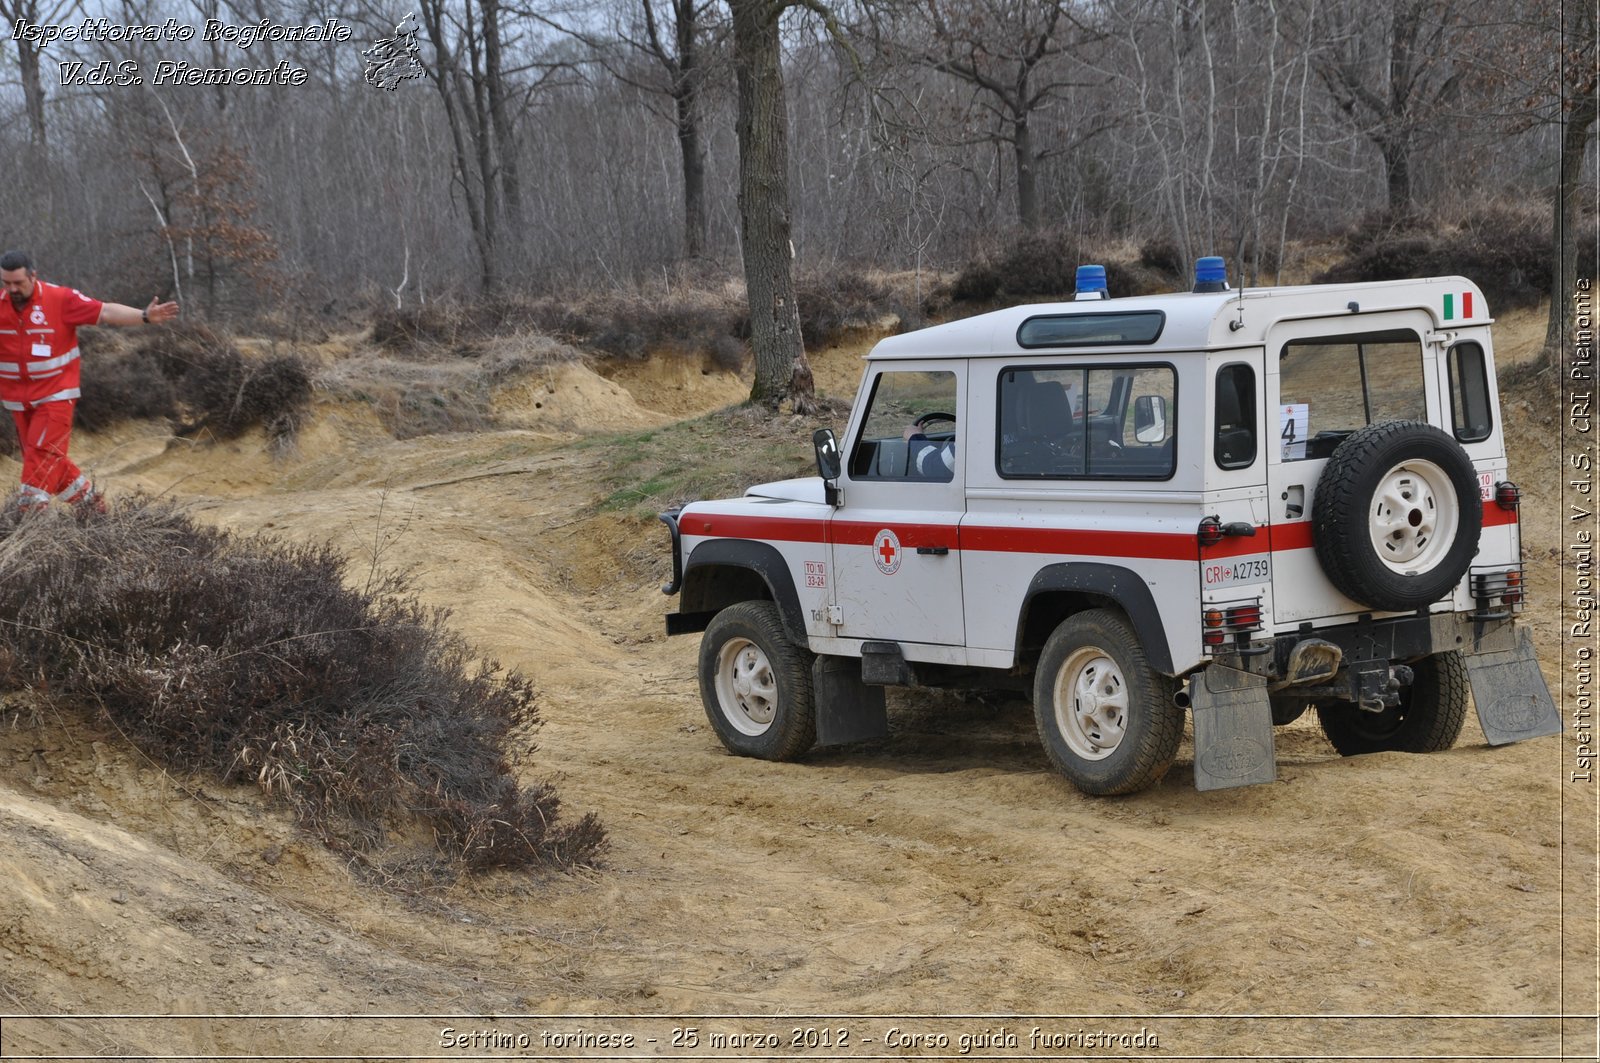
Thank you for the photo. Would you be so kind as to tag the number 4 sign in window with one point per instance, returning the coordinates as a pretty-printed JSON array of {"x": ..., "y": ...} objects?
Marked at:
[{"x": 1294, "y": 421}]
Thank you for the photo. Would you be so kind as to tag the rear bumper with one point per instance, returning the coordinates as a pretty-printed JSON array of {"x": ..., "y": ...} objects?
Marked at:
[{"x": 1396, "y": 639}]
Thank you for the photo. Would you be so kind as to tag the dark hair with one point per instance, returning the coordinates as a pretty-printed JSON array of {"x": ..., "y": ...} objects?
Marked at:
[{"x": 16, "y": 260}]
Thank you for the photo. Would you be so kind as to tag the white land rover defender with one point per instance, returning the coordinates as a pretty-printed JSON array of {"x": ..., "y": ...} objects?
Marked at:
[{"x": 1237, "y": 504}]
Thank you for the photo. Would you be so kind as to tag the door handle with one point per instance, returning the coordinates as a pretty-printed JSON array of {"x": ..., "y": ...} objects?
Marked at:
[{"x": 939, "y": 551}]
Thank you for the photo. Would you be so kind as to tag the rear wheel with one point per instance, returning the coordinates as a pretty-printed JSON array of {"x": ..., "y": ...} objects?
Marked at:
[
  {"x": 756, "y": 684},
  {"x": 1106, "y": 717},
  {"x": 1427, "y": 720}
]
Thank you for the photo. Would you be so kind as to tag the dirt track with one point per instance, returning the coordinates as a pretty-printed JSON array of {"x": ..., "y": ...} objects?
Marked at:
[{"x": 945, "y": 870}]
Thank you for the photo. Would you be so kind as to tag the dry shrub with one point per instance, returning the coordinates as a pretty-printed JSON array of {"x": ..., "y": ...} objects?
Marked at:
[
  {"x": 833, "y": 303},
  {"x": 1162, "y": 255},
  {"x": 188, "y": 374},
  {"x": 255, "y": 660},
  {"x": 1038, "y": 266},
  {"x": 634, "y": 326},
  {"x": 686, "y": 322},
  {"x": 1506, "y": 251},
  {"x": 415, "y": 396},
  {"x": 409, "y": 328}
]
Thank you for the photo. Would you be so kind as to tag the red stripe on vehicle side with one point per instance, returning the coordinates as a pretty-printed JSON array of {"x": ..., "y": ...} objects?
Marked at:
[
  {"x": 1494, "y": 516},
  {"x": 1167, "y": 546},
  {"x": 779, "y": 529},
  {"x": 1297, "y": 536},
  {"x": 859, "y": 533}
]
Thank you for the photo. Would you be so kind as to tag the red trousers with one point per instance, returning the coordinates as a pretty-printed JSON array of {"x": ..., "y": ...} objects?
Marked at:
[{"x": 45, "y": 431}]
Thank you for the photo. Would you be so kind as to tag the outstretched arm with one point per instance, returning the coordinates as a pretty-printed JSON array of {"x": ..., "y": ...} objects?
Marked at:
[{"x": 122, "y": 314}]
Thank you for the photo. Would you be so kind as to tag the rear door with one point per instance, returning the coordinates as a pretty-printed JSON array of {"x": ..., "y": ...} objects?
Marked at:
[{"x": 1326, "y": 378}]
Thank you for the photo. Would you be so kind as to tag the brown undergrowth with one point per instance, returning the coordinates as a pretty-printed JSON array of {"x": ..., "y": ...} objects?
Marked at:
[{"x": 258, "y": 660}]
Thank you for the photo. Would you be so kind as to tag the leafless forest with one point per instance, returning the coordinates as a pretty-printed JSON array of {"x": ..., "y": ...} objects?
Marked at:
[{"x": 598, "y": 142}]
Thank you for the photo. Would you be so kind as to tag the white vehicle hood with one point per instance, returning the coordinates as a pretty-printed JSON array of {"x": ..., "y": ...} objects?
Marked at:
[{"x": 800, "y": 489}]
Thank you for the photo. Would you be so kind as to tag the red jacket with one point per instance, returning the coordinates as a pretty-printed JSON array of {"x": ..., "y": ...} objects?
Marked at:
[{"x": 39, "y": 345}]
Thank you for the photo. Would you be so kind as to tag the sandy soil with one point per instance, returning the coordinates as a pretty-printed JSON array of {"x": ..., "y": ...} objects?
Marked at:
[{"x": 1380, "y": 906}]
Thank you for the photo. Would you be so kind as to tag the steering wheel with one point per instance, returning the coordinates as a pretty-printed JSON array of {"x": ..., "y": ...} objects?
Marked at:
[{"x": 925, "y": 419}]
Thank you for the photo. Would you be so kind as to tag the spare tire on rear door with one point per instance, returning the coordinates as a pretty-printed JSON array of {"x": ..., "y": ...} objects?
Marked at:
[{"x": 1397, "y": 515}]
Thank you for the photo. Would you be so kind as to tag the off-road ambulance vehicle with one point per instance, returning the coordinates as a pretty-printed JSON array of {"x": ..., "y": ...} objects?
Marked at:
[{"x": 1232, "y": 504}]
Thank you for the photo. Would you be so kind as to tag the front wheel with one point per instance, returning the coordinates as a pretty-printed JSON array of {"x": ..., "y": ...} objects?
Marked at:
[
  {"x": 1427, "y": 720},
  {"x": 1107, "y": 719},
  {"x": 756, "y": 684}
]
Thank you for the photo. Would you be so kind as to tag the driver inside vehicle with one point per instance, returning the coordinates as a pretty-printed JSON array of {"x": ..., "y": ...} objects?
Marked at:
[{"x": 931, "y": 455}]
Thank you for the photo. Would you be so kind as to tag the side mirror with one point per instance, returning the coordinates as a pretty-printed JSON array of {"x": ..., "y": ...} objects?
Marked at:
[
  {"x": 1150, "y": 418},
  {"x": 829, "y": 464}
]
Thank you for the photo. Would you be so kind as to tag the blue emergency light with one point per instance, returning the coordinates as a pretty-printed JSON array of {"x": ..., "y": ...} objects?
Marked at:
[
  {"x": 1092, "y": 283},
  {"x": 1210, "y": 274}
]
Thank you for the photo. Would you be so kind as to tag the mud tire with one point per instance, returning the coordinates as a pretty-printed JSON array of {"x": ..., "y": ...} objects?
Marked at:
[
  {"x": 1429, "y": 718},
  {"x": 756, "y": 684},
  {"x": 1397, "y": 515},
  {"x": 1107, "y": 719}
]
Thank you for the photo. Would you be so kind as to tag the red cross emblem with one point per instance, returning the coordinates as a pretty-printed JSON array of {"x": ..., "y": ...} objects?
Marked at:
[{"x": 886, "y": 552}]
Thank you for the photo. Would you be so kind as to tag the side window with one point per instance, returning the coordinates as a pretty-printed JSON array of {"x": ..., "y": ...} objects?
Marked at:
[
  {"x": 910, "y": 429},
  {"x": 1469, "y": 393},
  {"x": 1235, "y": 443},
  {"x": 1332, "y": 385},
  {"x": 1090, "y": 422}
]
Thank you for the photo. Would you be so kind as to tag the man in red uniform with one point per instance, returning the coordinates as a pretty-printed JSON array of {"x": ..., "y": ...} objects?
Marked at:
[{"x": 39, "y": 374}]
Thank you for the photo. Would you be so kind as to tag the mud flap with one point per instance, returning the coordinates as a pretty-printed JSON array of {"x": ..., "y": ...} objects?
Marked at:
[
  {"x": 1232, "y": 729},
  {"x": 847, "y": 709},
  {"x": 1513, "y": 701}
]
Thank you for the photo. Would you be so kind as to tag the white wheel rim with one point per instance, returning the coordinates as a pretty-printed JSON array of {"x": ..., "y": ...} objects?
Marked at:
[
  {"x": 1414, "y": 517},
  {"x": 747, "y": 689},
  {"x": 1091, "y": 704}
]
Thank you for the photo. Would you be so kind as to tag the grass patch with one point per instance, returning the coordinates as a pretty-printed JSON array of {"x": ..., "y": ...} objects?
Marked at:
[
  {"x": 715, "y": 456},
  {"x": 260, "y": 661}
]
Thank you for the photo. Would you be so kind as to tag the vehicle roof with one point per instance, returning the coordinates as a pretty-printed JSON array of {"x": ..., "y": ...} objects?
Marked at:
[{"x": 1195, "y": 320}]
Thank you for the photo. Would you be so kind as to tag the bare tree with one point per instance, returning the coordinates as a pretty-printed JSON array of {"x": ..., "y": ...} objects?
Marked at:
[
  {"x": 483, "y": 97},
  {"x": 1549, "y": 76},
  {"x": 1016, "y": 54},
  {"x": 1579, "y": 74},
  {"x": 674, "y": 39},
  {"x": 1392, "y": 66},
  {"x": 671, "y": 35},
  {"x": 1220, "y": 117},
  {"x": 30, "y": 53}
]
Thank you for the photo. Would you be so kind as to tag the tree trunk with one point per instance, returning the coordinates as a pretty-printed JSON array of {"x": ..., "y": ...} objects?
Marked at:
[
  {"x": 782, "y": 371},
  {"x": 504, "y": 134},
  {"x": 1397, "y": 163},
  {"x": 1027, "y": 183},
  {"x": 686, "y": 97},
  {"x": 462, "y": 104},
  {"x": 694, "y": 177},
  {"x": 28, "y": 54},
  {"x": 1564, "y": 270}
]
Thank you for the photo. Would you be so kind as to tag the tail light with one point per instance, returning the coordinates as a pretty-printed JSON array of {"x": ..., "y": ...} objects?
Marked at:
[
  {"x": 1227, "y": 621},
  {"x": 1245, "y": 617},
  {"x": 1502, "y": 584},
  {"x": 1507, "y": 495}
]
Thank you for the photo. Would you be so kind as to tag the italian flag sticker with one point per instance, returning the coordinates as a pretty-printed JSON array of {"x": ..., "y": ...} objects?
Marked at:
[{"x": 1450, "y": 303}]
